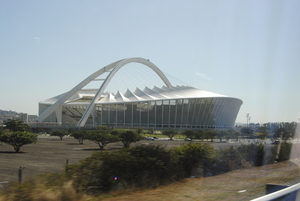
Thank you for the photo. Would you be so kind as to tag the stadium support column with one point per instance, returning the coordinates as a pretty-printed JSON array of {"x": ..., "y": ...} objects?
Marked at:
[
  {"x": 58, "y": 113},
  {"x": 94, "y": 115}
]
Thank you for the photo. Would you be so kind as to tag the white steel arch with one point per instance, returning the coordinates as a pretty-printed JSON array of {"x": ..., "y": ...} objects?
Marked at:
[{"x": 112, "y": 68}]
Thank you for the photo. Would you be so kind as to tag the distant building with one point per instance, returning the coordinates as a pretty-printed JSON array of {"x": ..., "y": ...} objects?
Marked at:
[
  {"x": 180, "y": 107},
  {"x": 24, "y": 117}
]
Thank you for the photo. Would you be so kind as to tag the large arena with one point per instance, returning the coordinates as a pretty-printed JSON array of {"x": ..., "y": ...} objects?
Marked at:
[{"x": 158, "y": 107}]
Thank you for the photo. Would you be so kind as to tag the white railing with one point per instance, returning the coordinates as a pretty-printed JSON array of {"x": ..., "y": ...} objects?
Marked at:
[{"x": 279, "y": 193}]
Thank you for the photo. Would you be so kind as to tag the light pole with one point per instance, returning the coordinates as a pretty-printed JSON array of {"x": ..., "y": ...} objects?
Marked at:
[{"x": 248, "y": 119}]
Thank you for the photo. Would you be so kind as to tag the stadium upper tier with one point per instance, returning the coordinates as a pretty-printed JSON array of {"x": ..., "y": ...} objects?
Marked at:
[{"x": 160, "y": 107}]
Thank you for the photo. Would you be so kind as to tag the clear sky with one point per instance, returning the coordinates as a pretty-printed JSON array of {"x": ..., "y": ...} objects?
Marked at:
[{"x": 244, "y": 49}]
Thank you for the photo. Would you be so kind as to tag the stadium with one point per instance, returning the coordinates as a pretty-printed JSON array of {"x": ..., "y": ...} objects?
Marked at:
[{"x": 157, "y": 105}]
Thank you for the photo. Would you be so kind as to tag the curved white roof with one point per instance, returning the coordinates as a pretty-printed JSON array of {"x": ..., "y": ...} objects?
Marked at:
[{"x": 164, "y": 93}]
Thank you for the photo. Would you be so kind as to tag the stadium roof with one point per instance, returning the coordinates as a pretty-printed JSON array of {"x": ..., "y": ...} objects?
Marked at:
[{"x": 164, "y": 93}]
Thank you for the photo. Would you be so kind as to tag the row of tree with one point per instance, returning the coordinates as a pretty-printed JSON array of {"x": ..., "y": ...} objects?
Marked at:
[{"x": 102, "y": 136}]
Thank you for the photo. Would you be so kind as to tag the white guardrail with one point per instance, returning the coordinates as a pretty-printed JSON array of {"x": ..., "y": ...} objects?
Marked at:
[{"x": 279, "y": 193}]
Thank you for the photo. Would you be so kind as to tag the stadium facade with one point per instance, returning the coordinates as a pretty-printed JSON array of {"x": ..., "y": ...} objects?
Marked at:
[{"x": 178, "y": 107}]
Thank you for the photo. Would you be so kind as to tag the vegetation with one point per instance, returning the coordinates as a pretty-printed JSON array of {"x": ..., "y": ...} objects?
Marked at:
[
  {"x": 191, "y": 156},
  {"x": 170, "y": 133},
  {"x": 190, "y": 134},
  {"x": 221, "y": 134},
  {"x": 59, "y": 134},
  {"x": 139, "y": 131},
  {"x": 145, "y": 167},
  {"x": 18, "y": 139},
  {"x": 52, "y": 187},
  {"x": 80, "y": 136},
  {"x": 102, "y": 137},
  {"x": 211, "y": 134},
  {"x": 141, "y": 166},
  {"x": 247, "y": 131},
  {"x": 151, "y": 166},
  {"x": 284, "y": 151},
  {"x": 128, "y": 137},
  {"x": 14, "y": 125}
]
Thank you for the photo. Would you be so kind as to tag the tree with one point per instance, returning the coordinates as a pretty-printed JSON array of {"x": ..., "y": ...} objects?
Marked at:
[
  {"x": 235, "y": 134},
  {"x": 80, "y": 136},
  {"x": 211, "y": 134},
  {"x": 18, "y": 139},
  {"x": 231, "y": 134},
  {"x": 284, "y": 134},
  {"x": 247, "y": 131},
  {"x": 115, "y": 132},
  {"x": 170, "y": 133},
  {"x": 199, "y": 134},
  {"x": 190, "y": 134},
  {"x": 14, "y": 125},
  {"x": 220, "y": 134},
  {"x": 127, "y": 137},
  {"x": 261, "y": 136},
  {"x": 139, "y": 131},
  {"x": 101, "y": 137},
  {"x": 103, "y": 128},
  {"x": 60, "y": 134}
]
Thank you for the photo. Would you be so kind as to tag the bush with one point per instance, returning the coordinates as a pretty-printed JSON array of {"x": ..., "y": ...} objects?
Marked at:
[
  {"x": 232, "y": 158},
  {"x": 141, "y": 166},
  {"x": 285, "y": 151},
  {"x": 227, "y": 159},
  {"x": 191, "y": 156}
]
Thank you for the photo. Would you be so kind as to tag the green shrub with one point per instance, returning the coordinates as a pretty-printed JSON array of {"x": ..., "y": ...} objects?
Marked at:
[
  {"x": 253, "y": 154},
  {"x": 285, "y": 151},
  {"x": 227, "y": 159},
  {"x": 141, "y": 166},
  {"x": 191, "y": 156},
  {"x": 232, "y": 158}
]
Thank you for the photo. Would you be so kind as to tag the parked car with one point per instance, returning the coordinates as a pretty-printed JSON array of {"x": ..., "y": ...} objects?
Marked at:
[{"x": 149, "y": 138}]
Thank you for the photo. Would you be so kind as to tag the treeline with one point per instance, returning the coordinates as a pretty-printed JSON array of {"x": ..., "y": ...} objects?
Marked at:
[
  {"x": 282, "y": 130},
  {"x": 274, "y": 131},
  {"x": 103, "y": 136}
]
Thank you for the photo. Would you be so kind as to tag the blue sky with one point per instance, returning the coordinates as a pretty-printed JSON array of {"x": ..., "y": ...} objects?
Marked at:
[{"x": 244, "y": 49}]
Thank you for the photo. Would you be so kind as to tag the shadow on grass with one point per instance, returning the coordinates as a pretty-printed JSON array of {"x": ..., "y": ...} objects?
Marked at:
[
  {"x": 12, "y": 152},
  {"x": 98, "y": 149},
  {"x": 74, "y": 144}
]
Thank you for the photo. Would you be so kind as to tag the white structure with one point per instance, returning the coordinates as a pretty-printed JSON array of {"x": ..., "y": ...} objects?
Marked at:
[{"x": 169, "y": 106}]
